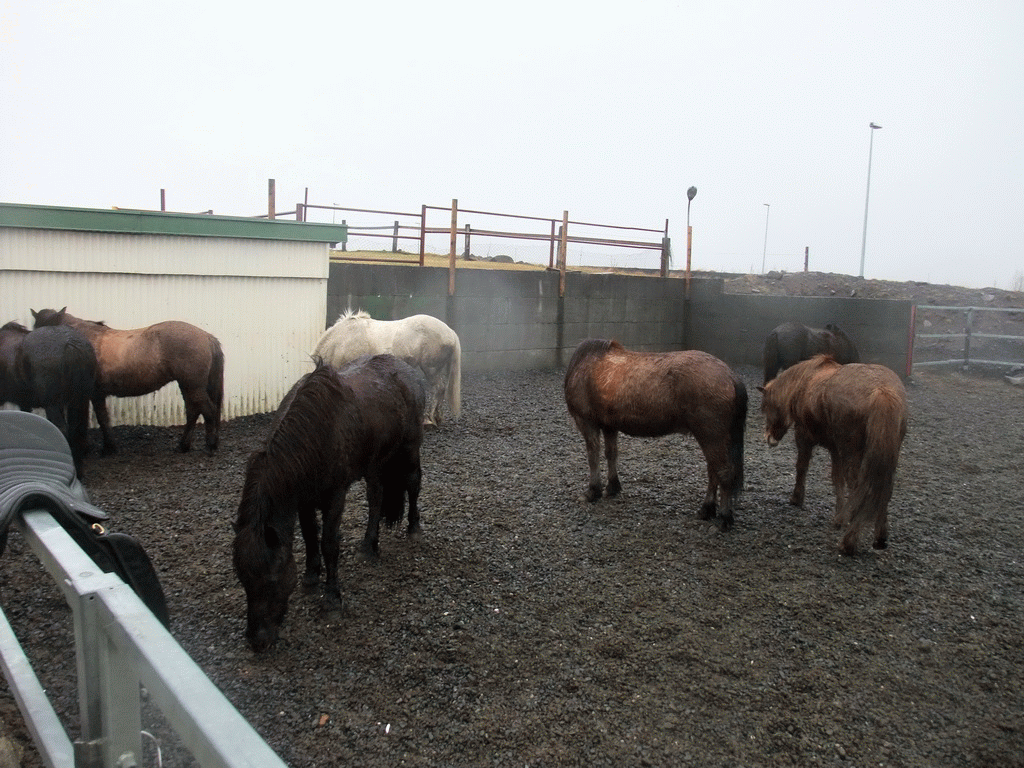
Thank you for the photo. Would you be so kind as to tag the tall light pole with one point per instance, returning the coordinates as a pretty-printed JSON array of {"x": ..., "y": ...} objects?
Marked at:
[
  {"x": 690, "y": 194},
  {"x": 867, "y": 196},
  {"x": 764, "y": 254}
]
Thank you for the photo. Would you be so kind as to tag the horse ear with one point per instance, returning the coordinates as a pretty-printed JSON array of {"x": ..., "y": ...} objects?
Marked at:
[{"x": 62, "y": 311}]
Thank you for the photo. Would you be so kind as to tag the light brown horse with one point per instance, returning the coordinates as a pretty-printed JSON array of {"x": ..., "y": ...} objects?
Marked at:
[
  {"x": 140, "y": 361},
  {"x": 610, "y": 389},
  {"x": 858, "y": 412}
]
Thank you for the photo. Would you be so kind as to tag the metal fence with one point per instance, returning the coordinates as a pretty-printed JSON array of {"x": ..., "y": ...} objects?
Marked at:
[
  {"x": 979, "y": 337},
  {"x": 120, "y": 646}
]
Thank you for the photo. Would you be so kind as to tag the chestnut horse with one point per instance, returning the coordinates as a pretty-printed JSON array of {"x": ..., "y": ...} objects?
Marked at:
[
  {"x": 858, "y": 412},
  {"x": 422, "y": 341},
  {"x": 140, "y": 361},
  {"x": 52, "y": 368},
  {"x": 610, "y": 389},
  {"x": 333, "y": 428},
  {"x": 790, "y": 343}
]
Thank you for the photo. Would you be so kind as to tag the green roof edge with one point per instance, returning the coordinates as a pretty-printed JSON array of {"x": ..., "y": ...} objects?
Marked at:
[{"x": 16, "y": 215}]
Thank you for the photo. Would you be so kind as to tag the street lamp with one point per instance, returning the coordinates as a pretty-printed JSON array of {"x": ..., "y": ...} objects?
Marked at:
[
  {"x": 764, "y": 254},
  {"x": 690, "y": 194},
  {"x": 867, "y": 196}
]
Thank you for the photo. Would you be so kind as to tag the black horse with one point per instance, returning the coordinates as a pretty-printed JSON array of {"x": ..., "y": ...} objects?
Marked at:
[
  {"x": 333, "y": 428},
  {"x": 790, "y": 343},
  {"x": 52, "y": 368}
]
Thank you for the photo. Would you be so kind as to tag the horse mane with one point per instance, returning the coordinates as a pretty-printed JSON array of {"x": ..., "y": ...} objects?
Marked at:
[
  {"x": 797, "y": 377},
  {"x": 354, "y": 314},
  {"x": 291, "y": 453}
]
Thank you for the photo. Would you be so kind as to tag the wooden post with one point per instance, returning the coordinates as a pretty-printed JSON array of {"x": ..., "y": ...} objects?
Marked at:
[
  {"x": 451, "y": 248},
  {"x": 394, "y": 239},
  {"x": 271, "y": 199},
  {"x": 551, "y": 250},
  {"x": 423, "y": 234},
  {"x": 561, "y": 253},
  {"x": 666, "y": 252}
]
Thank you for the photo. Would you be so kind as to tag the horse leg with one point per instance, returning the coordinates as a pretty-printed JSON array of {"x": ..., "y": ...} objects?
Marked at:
[
  {"x": 592, "y": 440},
  {"x": 611, "y": 455},
  {"x": 329, "y": 544},
  {"x": 311, "y": 537},
  {"x": 99, "y": 406},
  {"x": 370, "y": 549},
  {"x": 412, "y": 487},
  {"x": 710, "y": 506},
  {"x": 804, "y": 448},
  {"x": 192, "y": 411},
  {"x": 841, "y": 487}
]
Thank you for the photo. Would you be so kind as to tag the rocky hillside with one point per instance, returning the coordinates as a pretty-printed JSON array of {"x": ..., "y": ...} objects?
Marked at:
[{"x": 830, "y": 284}]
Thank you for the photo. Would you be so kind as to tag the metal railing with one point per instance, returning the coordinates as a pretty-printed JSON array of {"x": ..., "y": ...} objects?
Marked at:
[
  {"x": 968, "y": 334},
  {"x": 120, "y": 646}
]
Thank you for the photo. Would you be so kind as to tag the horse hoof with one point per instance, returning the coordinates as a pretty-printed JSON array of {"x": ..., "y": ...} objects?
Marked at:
[
  {"x": 592, "y": 494},
  {"x": 707, "y": 511},
  {"x": 881, "y": 544},
  {"x": 725, "y": 524}
]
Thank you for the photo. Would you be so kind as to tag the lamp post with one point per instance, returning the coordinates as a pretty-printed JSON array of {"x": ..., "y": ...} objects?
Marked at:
[
  {"x": 867, "y": 196},
  {"x": 690, "y": 194},
  {"x": 764, "y": 253}
]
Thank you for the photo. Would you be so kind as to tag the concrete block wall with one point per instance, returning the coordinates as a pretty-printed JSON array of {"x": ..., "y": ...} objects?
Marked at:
[{"x": 509, "y": 320}]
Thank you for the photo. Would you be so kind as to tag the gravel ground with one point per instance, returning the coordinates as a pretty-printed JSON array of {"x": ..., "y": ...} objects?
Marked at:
[{"x": 529, "y": 628}]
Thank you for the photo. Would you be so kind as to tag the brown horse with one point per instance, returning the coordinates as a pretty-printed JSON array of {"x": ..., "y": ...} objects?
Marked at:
[
  {"x": 140, "y": 361},
  {"x": 790, "y": 343},
  {"x": 610, "y": 389},
  {"x": 333, "y": 428},
  {"x": 858, "y": 412}
]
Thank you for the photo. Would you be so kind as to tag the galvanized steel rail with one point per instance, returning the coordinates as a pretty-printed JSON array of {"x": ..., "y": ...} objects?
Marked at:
[
  {"x": 119, "y": 646},
  {"x": 968, "y": 333}
]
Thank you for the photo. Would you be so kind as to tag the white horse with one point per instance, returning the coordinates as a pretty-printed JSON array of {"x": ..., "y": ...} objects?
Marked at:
[{"x": 421, "y": 340}]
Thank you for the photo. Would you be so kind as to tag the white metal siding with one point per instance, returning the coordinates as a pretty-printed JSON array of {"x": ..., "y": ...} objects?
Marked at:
[{"x": 265, "y": 300}]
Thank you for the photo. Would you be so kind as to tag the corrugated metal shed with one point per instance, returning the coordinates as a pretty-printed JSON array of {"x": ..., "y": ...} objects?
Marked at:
[{"x": 259, "y": 286}]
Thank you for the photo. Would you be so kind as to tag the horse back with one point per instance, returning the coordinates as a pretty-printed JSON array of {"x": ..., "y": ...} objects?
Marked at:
[{"x": 650, "y": 394}]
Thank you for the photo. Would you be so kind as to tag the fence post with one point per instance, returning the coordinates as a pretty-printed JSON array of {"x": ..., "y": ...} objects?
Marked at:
[
  {"x": 807, "y": 253},
  {"x": 423, "y": 234},
  {"x": 969, "y": 321},
  {"x": 452, "y": 246},
  {"x": 344, "y": 243},
  {"x": 465, "y": 253},
  {"x": 561, "y": 253},
  {"x": 394, "y": 239},
  {"x": 271, "y": 199}
]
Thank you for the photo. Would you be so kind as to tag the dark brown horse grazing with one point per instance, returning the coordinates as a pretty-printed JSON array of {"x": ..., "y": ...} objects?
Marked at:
[
  {"x": 53, "y": 368},
  {"x": 858, "y": 412},
  {"x": 610, "y": 389},
  {"x": 333, "y": 428},
  {"x": 140, "y": 361},
  {"x": 790, "y": 343}
]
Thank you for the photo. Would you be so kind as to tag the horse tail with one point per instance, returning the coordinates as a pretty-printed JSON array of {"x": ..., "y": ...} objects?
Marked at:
[
  {"x": 455, "y": 379},
  {"x": 215, "y": 381},
  {"x": 737, "y": 430},
  {"x": 771, "y": 357},
  {"x": 885, "y": 428}
]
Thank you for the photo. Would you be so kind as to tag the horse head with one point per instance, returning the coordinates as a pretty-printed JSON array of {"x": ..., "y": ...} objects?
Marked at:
[
  {"x": 265, "y": 565},
  {"x": 48, "y": 317}
]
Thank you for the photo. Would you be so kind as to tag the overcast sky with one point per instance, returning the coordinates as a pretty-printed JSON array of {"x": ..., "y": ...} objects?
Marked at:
[{"x": 607, "y": 110}]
